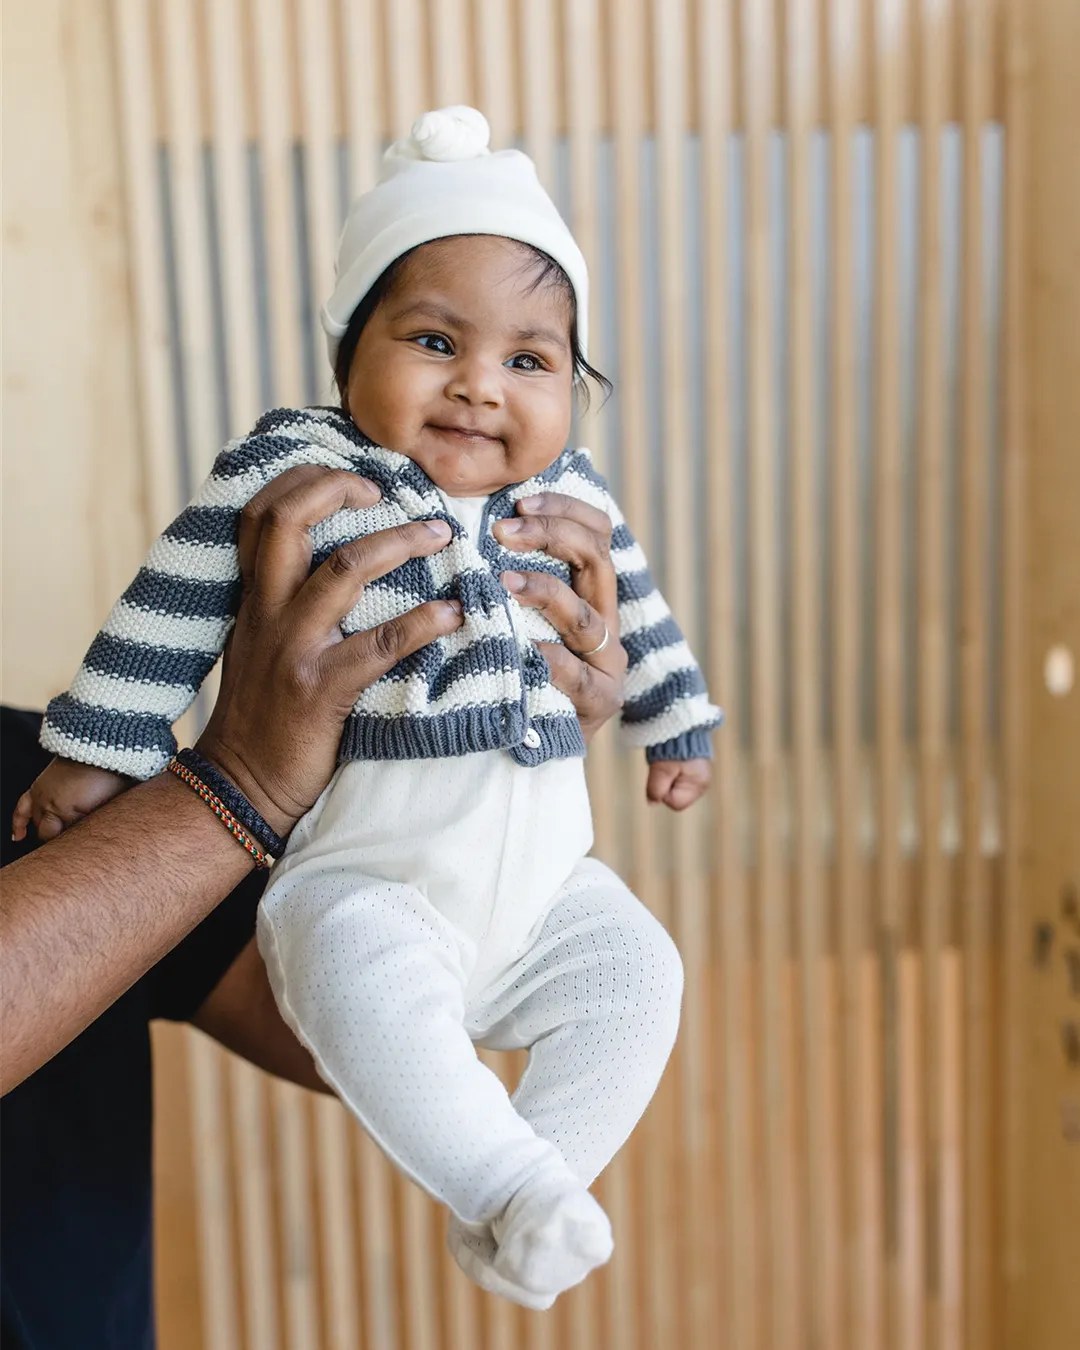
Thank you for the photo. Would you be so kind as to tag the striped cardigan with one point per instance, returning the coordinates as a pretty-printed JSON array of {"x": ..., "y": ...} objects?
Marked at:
[{"x": 484, "y": 687}]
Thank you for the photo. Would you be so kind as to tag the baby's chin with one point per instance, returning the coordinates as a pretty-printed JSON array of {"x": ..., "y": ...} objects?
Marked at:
[{"x": 477, "y": 469}]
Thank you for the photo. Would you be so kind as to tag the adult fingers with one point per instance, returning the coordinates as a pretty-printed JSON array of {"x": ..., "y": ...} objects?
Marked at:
[
  {"x": 334, "y": 587},
  {"x": 568, "y": 508},
  {"x": 576, "y": 533},
  {"x": 362, "y": 658},
  {"x": 584, "y": 630},
  {"x": 274, "y": 543},
  {"x": 595, "y": 694}
]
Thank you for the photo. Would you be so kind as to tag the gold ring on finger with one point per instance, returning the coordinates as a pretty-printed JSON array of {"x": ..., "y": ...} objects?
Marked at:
[{"x": 603, "y": 643}]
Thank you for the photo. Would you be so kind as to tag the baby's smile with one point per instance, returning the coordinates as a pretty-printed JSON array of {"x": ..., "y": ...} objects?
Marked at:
[{"x": 465, "y": 366}]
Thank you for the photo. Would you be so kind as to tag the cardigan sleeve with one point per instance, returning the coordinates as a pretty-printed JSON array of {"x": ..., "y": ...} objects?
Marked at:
[
  {"x": 667, "y": 708},
  {"x": 165, "y": 633}
]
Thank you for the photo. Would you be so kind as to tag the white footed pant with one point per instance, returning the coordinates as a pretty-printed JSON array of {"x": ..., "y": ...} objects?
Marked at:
[{"x": 426, "y": 906}]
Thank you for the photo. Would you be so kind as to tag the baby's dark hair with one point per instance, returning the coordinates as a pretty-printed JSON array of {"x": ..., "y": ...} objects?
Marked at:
[{"x": 545, "y": 272}]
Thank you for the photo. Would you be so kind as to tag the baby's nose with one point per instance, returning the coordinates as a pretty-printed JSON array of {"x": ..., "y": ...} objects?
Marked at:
[{"x": 476, "y": 382}]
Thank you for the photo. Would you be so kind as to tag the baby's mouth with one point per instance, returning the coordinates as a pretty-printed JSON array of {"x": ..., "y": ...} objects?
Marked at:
[{"x": 464, "y": 435}]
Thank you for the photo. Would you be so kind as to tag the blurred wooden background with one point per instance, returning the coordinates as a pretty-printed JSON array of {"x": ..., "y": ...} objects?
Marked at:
[{"x": 833, "y": 245}]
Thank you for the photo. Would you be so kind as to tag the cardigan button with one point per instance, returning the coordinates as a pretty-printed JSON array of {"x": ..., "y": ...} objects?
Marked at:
[{"x": 532, "y": 739}]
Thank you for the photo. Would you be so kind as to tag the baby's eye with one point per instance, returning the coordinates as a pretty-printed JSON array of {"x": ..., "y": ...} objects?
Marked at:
[
  {"x": 435, "y": 342},
  {"x": 525, "y": 361}
]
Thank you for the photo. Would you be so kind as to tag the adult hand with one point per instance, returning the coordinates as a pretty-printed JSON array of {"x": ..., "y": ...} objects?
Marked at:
[
  {"x": 590, "y": 664},
  {"x": 290, "y": 678}
]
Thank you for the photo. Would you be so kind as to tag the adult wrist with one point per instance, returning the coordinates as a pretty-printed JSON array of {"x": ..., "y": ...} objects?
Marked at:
[{"x": 235, "y": 770}]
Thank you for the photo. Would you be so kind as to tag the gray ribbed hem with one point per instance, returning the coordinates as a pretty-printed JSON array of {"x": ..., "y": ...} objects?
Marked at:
[
  {"x": 696, "y": 744},
  {"x": 468, "y": 732},
  {"x": 560, "y": 738},
  {"x": 403, "y": 737}
]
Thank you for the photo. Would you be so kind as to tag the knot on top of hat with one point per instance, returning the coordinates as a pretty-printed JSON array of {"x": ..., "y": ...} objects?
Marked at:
[{"x": 451, "y": 134}]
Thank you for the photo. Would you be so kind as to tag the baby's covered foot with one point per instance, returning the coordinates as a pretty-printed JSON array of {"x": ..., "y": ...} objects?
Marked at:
[
  {"x": 473, "y": 1248},
  {"x": 550, "y": 1236}
]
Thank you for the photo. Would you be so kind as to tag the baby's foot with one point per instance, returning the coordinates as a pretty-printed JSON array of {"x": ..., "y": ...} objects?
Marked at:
[
  {"x": 473, "y": 1248},
  {"x": 551, "y": 1234}
]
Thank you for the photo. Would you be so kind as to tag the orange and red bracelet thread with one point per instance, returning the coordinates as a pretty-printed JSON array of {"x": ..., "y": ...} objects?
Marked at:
[{"x": 193, "y": 781}]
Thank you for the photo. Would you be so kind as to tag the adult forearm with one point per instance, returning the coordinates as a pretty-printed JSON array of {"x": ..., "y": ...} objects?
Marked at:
[{"x": 85, "y": 917}]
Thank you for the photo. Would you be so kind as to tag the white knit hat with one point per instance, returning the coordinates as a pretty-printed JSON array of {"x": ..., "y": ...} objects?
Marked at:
[{"x": 442, "y": 180}]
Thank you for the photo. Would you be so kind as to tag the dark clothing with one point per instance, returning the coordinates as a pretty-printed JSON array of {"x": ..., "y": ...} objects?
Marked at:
[{"x": 75, "y": 1178}]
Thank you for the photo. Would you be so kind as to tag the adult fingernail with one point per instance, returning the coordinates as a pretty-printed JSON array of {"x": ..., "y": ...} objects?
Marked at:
[
  {"x": 530, "y": 503},
  {"x": 511, "y": 526},
  {"x": 455, "y": 605},
  {"x": 439, "y": 528},
  {"x": 513, "y": 581},
  {"x": 372, "y": 485}
]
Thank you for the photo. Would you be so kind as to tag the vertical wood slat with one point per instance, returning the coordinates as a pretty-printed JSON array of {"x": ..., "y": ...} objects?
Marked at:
[
  {"x": 138, "y": 123},
  {"x": 221, "y": 1314},
  {"x": 230, "y": 136},
  {"x": 715, "y": 59},
  {"x": 842, "y": 23},
  {"x": 973, "y": 499},
  {"x": 364, "y": 97},
  {"x": 888, "y": 87},
  {"x": 253, "y": 1184},
  {"x": 691, "y": 1315},
  {"x": 296, "y": 1224},
  {"x": 341, "y": 1315},
  {"x": 496, "y": 68},
  {"x": 932, "y": 649},
  {"x": 661, "y": 1229},
  {"x": 406, "y": 86},
  {"x": 1013, "y": 1146},
  {"x": 802, "y": 93},
  {"x": 536, "y": 20},
  {"x": 379, "y": 1301},
  {"x": 627, "y": 75},
  {"x": 447, "y": 25},
  {"x": 184, "y": 127},
  {"x": 318, "y": 134},
  {"x": 273, "y": 97},
  {"x": 781, "y": 1314}
]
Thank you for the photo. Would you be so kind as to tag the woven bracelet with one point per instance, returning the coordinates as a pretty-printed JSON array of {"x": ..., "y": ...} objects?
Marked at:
[
  {"x": 234, "y": 800},
  {"x": 260, "y": 856}
]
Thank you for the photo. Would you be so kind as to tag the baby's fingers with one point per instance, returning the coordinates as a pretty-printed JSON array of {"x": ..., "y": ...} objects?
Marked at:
[
  {"x": 19, "y": 821},
  {"x": 662, "y": 776},
  {"x": 683, "y": 792},
  {"x": 48, "y": 825}
]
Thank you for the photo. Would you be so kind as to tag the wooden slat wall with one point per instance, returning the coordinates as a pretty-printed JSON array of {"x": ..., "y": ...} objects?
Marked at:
[{"x": 818, "y": 1167}]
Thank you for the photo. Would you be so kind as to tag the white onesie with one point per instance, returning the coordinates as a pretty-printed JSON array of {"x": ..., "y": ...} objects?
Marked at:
[{"x": 424, "y": 905}]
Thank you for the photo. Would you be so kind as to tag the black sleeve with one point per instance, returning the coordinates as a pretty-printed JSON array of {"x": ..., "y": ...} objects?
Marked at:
[
  {"x": 21, "y": 760},
  {"x": 182, "y": 980},
  {"x": 178, "y": 985}
]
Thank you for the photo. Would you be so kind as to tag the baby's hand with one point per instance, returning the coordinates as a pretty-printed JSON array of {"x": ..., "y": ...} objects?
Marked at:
[
  {"x": 63, "y": 793},
  {"x": 678, "y": 783}
]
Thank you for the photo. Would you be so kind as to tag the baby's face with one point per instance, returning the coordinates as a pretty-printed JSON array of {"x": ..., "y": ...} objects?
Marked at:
[{"x": 465, "y": 366}]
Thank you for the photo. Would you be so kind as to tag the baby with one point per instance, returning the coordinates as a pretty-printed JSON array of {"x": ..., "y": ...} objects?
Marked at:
[{"x": 439, "y": 893}]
